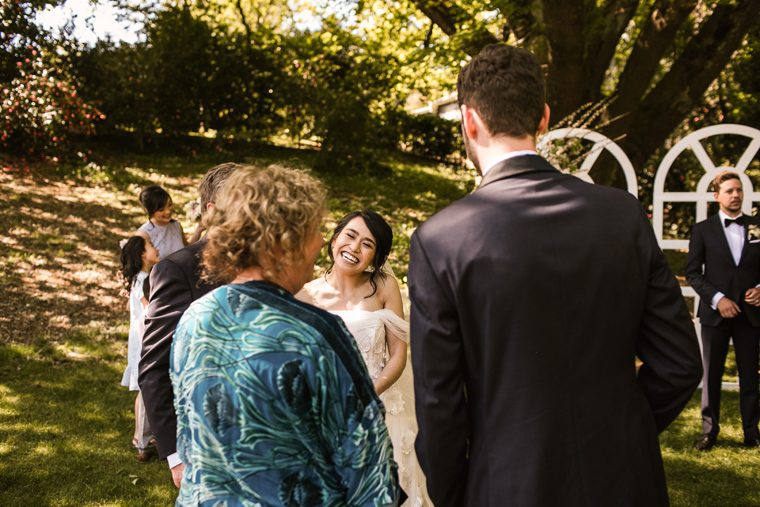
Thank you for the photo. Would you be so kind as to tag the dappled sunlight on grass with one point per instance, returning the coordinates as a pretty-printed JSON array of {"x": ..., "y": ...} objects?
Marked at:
[
  {"x": 65, "y": 432},
  {"x": 65, "y": 422},
  {"x": 727, "y": 475},
  {"x": 59, "y": 247},
  {"x": 54, "y": 261}
]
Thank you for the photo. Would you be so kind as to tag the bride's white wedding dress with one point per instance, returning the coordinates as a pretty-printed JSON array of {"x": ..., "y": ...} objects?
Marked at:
[{"x": 368, "y": 329}]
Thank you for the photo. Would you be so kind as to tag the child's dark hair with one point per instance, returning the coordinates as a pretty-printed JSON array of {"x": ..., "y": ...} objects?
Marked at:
[
  {"x": 131, "y": 261},
  {"x": 153, "y": 198}
]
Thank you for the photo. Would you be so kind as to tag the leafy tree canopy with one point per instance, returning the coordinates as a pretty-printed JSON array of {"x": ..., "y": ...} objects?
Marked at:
[{"x": 657, "y": 58}]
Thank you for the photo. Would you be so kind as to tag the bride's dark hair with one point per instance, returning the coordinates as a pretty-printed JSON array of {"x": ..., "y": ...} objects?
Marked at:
[{"x": 383, "y": 235}]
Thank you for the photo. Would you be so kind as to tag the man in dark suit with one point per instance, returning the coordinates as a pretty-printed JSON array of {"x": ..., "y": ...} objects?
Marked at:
[
  {"x": 723, "y": 266},
  {"x": 530, "y": 299},
  {"x": 175, "y": 283}
]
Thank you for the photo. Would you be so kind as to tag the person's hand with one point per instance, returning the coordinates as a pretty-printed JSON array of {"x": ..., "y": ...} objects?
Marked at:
[
  {"x": 752, "y": 296},
  {"x": 177, "y": 474},
  {"x": 727, "y": 308}
]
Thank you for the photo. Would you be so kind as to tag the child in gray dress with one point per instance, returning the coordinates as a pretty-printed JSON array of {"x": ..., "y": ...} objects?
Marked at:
[{"x": 165, "y": 233}]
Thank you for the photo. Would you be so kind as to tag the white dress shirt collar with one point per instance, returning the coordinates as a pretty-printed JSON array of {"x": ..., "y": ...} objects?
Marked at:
[
  {"x": 507, "y": 156},
  {"x": 734, "y": 235}
]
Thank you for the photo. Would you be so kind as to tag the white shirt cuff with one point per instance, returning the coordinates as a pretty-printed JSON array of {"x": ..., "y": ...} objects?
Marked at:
[
  {"x": 717, "y": 297},
  {"x": 173, "y": 460}
]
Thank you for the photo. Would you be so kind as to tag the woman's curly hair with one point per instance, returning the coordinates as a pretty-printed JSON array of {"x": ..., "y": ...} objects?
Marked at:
[{"x": 262, "y": 217}]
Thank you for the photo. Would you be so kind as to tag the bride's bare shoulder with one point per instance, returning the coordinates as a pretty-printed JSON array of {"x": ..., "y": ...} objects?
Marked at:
[
  {"x": 390, "y": 293},
  {"x": 310, "y": 292},
  {"x": 387, "y": 283}
]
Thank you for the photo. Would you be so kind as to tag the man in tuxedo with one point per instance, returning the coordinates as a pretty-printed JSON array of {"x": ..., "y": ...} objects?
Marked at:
[
  {"x": 723, "y": 266},
  {"x": 531, "y": 298},
  {"x": 175, "y": 283}
]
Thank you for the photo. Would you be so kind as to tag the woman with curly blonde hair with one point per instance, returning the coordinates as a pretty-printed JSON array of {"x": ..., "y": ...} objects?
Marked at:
[{"x": 274, "y": 404}]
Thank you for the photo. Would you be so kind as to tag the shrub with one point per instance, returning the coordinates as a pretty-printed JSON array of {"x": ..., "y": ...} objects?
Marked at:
[
  {"x": 41, "y": 113},
  {"x": 426, "y": 135}
]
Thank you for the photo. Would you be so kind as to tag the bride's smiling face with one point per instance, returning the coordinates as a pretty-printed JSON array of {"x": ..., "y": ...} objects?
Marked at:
[{"x": 355, "y": 247}]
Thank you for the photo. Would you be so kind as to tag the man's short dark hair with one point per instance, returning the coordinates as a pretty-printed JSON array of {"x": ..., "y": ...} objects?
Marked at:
[
  {"x": 505, "y": 85},
  {"x": 722, "y": 177},
  {"x": 213, "y": 181}
]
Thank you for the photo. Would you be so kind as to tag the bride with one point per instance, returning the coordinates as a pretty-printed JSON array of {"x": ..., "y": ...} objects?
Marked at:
[{"x": 358, "y": 290}]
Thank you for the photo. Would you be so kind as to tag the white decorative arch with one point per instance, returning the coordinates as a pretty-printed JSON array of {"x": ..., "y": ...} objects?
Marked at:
[
  {"x": 704, "y": 194},
  {"x": 600, "y": 143}
]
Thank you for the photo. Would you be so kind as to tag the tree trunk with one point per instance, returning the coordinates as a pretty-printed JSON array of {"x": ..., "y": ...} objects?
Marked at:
[
  {"x": 577, "y": 41},
  {"x": 648, "y": 126}
]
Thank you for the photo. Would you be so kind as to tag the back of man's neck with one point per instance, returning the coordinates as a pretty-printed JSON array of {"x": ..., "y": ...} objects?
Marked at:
[
  {"x": 506, "y": 156},
  {"x": 503, "y": 148}
]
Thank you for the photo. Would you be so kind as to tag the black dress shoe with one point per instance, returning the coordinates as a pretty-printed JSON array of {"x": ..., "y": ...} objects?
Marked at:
[
  {"x": 752, "y": 442},
  {"x": 705, "y": 443}
]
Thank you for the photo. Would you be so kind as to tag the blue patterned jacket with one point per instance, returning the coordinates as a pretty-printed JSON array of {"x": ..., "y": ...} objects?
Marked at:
[{"x": 275, "y": 407}]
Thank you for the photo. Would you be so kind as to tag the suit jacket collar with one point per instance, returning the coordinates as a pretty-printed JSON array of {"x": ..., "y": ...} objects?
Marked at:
[{"x": 516, "y": 166}]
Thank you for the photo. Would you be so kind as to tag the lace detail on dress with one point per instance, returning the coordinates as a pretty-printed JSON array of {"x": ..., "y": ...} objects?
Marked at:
[
  {"x": 393, "y": 401},
  {"x": 368, "y": 329},
  {"x": 370, "y": 338}
]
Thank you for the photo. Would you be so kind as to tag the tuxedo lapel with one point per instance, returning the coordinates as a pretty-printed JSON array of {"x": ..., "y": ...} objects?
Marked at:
[
  {"x": 720, "y": 237},
  {"x": 515, "y": 166},
  {"x": 748, "y": 221}
]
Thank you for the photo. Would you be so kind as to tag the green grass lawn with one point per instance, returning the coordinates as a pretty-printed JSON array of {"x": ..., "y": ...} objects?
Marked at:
[
  {"x": 65, "y": 422},
  {"x": 66, "y": 425}
]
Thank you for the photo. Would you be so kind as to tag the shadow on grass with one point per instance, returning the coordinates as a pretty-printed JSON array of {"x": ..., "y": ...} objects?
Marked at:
[
  {"x": 58, "y": 251},
  {"x": 65, "y": 436},
  {"x": 726, "y": 476}
]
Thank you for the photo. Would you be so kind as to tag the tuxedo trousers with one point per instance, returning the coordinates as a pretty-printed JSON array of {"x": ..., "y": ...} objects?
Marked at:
[{"x": 715, "y": 341}]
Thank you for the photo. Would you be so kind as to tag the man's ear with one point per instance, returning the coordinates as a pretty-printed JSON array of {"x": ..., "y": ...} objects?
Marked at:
[
  {"x": 544, "y": 121},
  {"x": 470, "y": 121}
]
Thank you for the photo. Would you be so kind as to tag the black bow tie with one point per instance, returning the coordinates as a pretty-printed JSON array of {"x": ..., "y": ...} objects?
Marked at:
[{"x": 737, "y": 221}]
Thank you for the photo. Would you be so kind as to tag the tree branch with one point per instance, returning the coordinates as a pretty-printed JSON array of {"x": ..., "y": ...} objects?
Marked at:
[
  {"x": 244, "y": 20},
  {"x": 426, "y": 45},
  {"x": 705, "y": 56},
  {"x": 520, "y": 20},
  {"x": 449, "y": 18},
  {"x": 440, "y": 14},
  {"x": 566, "y": 29},
  {"x": 602, "y": 44},
  {"x": 660, "y": 30}
]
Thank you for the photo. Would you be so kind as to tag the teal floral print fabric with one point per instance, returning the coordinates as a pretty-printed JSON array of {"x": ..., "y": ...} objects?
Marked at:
[{"x": 275, "y": 407}]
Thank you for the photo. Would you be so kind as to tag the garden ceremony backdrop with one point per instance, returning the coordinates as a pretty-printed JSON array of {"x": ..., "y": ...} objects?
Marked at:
[{"x": 327, "y": 85}]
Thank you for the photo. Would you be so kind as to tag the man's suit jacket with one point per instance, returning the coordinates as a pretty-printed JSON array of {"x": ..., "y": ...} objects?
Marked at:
[
  {"x": 175, "y": 283},
  {"x": 530, "y": 299},
  {"x": 710, "y": 268}
]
